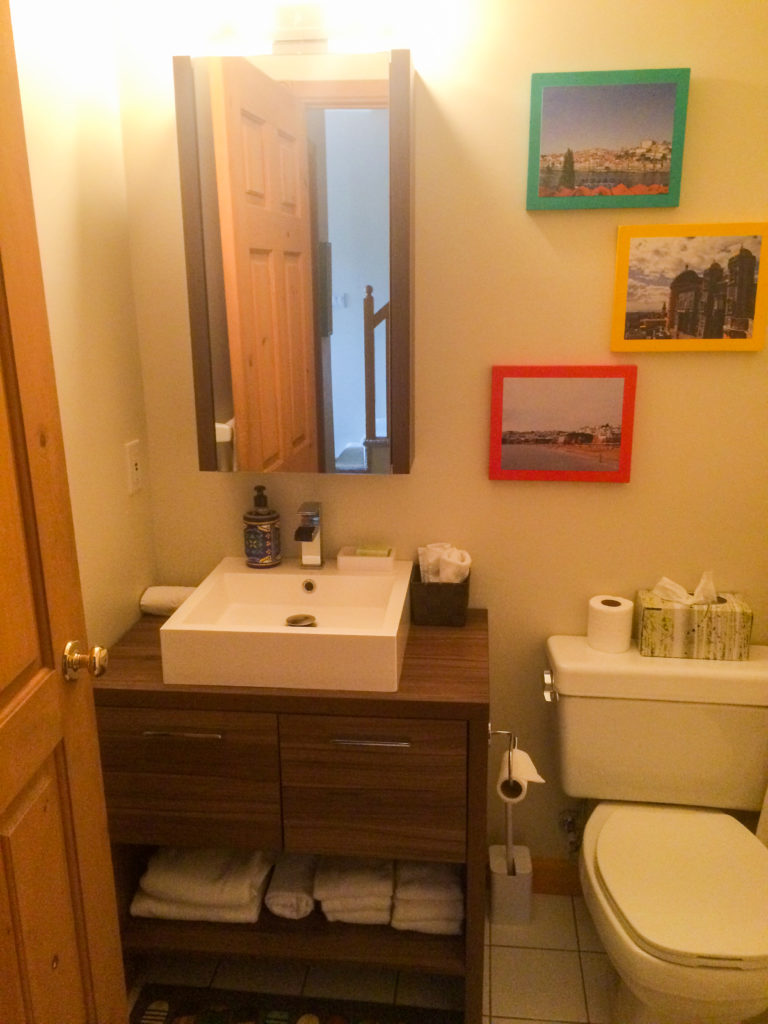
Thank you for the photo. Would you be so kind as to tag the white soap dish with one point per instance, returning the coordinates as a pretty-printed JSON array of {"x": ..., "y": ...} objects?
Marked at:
[{"x": 348, "y": 560}]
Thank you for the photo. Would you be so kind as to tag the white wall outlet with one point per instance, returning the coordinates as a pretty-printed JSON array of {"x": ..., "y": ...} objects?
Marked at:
[{"x": 134, "y": 458}]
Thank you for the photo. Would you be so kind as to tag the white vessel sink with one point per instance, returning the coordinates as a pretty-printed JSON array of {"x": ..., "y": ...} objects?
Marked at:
[{"x": 233, "y": 630}]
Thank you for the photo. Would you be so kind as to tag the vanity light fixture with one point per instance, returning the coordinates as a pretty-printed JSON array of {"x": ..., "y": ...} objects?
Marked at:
[{"x": 300, "y": 28}]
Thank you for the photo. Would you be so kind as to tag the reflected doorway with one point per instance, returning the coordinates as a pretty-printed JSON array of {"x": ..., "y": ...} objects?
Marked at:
[{"x": 350, "y": 153}]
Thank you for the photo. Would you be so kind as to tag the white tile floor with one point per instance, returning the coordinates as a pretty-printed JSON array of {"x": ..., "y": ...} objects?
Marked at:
[{"x": 552, "y": 970}]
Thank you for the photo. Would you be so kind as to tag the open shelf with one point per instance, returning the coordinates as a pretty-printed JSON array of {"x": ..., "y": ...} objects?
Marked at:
[{"x": 313, "y": 939}]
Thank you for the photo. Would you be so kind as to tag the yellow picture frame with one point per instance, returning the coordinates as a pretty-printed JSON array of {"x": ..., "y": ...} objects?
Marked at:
[{"x": 690, "y": 288}]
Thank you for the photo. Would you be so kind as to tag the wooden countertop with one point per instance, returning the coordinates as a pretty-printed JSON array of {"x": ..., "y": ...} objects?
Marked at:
[{"x": 443, "y": 665}]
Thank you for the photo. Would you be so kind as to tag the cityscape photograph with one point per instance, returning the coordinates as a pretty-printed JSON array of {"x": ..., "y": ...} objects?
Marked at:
[
  {"x": 611, "y": 139},
  {"x": 692, "y": 287}
]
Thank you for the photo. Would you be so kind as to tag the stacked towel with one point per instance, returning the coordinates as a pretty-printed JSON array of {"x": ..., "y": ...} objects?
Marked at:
[
  {"x": 356, "y": 890},
  {"x": 428, "y": 898},
  {"x": 203, "y": 885},
  {"x": 290, "y": 889}
]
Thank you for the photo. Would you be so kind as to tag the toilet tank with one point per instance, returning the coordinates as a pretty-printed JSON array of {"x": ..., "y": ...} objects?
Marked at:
[{"x": 661, "y": 730}]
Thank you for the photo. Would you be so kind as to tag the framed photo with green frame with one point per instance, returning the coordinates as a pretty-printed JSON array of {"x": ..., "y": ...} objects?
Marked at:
[{"x": 601, "y": 139}]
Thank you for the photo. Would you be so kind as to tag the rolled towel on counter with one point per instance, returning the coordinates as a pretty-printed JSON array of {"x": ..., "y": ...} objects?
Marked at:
[
  {"x": 290, "y": 888},
  {"x": 338, "y": 877},
  {"x": 144, "y": 905},
  {"x": 163, "y": 600},
  {"x": 429, "y": 560},
  {"x": 213, "y": 877},
  {"x": 454, "y": 566}
]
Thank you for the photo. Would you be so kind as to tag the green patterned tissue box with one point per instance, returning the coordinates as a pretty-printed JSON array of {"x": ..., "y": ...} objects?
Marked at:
[{"x": 717, "y": 632}]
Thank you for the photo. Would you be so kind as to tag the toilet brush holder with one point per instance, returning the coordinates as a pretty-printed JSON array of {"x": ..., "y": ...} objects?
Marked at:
[{"x": 510, "y": 894}]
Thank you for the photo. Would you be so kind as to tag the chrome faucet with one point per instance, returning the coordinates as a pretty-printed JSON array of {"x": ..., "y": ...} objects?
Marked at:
[{"x": 309, "y": 533}]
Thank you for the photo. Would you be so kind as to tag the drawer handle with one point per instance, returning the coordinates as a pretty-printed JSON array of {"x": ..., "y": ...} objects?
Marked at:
[
  {"x": 165, "y": 733},
  {"x": 344, "y": 742}
]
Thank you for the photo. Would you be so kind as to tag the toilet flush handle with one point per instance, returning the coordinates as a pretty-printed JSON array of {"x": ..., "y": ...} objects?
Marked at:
[{"x": 550, "y": 690}]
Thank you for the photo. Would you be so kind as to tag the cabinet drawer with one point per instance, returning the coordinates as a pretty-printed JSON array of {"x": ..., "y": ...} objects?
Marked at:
[
  {"x": 393, "y": 787},
  {"x": 195, "y": 777}
]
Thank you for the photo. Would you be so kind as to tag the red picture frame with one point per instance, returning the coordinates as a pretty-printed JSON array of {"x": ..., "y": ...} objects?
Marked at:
[{"x": 562, "y": 423}]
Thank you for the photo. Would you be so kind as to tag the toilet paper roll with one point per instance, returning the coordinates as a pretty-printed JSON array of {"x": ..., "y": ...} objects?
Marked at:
[
  {"x": 609, "y": 623},
  {"x": 163, "y": 600},
  {"x": 515, "y": 772}
]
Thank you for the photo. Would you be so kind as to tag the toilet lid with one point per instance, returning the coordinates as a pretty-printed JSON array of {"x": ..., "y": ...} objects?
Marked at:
[{"x": 690, "y": 886}]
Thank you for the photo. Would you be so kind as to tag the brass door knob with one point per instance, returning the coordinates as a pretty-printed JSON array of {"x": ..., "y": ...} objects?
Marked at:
[{"x": 73, "y": 659}]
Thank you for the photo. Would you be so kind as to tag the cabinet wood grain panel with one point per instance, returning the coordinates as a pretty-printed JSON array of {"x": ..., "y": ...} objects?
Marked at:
[
  {"x": 388, "y": 787},
  {"x": 400, "y": 774},
  {"x": 190, "y": 777}
]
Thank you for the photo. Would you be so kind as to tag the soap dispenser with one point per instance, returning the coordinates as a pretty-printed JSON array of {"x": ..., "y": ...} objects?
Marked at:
[{"x": 261, "y": 533}]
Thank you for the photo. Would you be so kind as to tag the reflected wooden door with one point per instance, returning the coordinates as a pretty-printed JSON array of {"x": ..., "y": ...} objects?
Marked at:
[
  {"x": 264, "y": 211},
  {"x": 60, "y": 957}
]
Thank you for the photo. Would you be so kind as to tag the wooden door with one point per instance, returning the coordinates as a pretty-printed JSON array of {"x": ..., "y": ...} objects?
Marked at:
[
  {"x": 59, "y": 946},
  {"x": 262, "y": 175}
]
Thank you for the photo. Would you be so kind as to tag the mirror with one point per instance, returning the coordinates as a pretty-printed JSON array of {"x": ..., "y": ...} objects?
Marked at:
[{"x": 296, "y": 200}]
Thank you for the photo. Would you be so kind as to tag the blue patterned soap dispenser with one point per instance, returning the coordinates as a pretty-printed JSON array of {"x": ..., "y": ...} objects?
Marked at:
[{"x": 261, "y": 533}]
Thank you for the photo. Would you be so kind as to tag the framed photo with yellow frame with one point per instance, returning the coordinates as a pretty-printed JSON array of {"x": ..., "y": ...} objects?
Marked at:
[{"x": 690, "y": 288}]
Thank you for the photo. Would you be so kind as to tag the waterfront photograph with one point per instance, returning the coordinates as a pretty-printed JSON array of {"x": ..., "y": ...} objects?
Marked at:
[
  {"x": 562, "y": 422},
  {"x": 609, "y": 138}
]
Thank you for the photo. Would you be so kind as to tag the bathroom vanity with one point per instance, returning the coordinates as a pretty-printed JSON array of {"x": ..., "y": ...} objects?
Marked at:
[{"x": 398, "y": 774}]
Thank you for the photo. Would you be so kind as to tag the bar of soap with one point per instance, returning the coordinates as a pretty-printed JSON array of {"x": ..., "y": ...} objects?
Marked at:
[{"x": 373, "y": 552}]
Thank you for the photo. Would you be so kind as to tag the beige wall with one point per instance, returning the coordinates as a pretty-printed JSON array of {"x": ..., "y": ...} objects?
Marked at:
[
  {"x": 66, "y": 59},
  {"x": 494, "y": 284}
]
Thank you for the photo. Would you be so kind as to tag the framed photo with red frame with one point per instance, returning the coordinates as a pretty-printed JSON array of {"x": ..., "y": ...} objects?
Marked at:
[{"x": 562, "y": 423}]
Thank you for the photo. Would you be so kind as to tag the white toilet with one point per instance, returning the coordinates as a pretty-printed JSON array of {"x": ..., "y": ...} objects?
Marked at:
[{"x": 678, "y": 891}]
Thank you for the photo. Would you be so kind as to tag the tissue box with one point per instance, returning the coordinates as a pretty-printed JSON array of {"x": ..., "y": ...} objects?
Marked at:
[
  {"x": 438, "y": 604},
  {"x": 717, "y": 632}
]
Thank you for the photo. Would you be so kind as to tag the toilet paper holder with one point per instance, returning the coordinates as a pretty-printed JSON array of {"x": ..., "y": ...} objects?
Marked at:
[{"x": 514, "y": 787}]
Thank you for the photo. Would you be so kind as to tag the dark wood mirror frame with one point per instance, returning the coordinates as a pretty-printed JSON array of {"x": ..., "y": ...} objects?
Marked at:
[{"x": 400, "y": 413}]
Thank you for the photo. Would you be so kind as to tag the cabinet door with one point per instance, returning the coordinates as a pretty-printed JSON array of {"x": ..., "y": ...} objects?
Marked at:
[
  {"x": 176, "y": 776},
  {"x": 374, "y": 786}
]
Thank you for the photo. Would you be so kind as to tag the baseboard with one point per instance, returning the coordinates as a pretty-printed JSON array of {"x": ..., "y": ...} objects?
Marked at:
[{"x": 556, "y": 876}]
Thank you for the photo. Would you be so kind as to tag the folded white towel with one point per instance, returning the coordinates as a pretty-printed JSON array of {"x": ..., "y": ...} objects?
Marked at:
[
  {"x": 215, "y": 877},
  {"x": 340, "y": 904},
  {"x": 290, "y": 888},
  {"x": 337, "y": 877},
  {"x": 351, "y": 916},
  {"x": 428, "y": 910},
  {"x": 450, "y": 926},
  {"x": 163, "y": 600},
  {"x": 144, "y": 905},
  {"x": 431, "y": 881}
]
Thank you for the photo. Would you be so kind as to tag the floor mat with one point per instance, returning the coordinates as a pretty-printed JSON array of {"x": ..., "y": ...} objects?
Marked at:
[{"x": 170, "y": 1004}]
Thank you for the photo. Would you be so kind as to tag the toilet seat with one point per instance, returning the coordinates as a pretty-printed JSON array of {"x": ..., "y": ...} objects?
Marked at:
[{"x": 689, "y": 886}]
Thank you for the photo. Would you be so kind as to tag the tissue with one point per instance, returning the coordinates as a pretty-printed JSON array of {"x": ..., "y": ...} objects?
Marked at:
[
  {"x": 704, "y": 593},
  {"x": 672, "y": 623}
]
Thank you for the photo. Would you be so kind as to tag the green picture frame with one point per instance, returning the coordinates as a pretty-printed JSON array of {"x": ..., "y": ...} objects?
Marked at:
[{"x": 603, "y": 139}]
